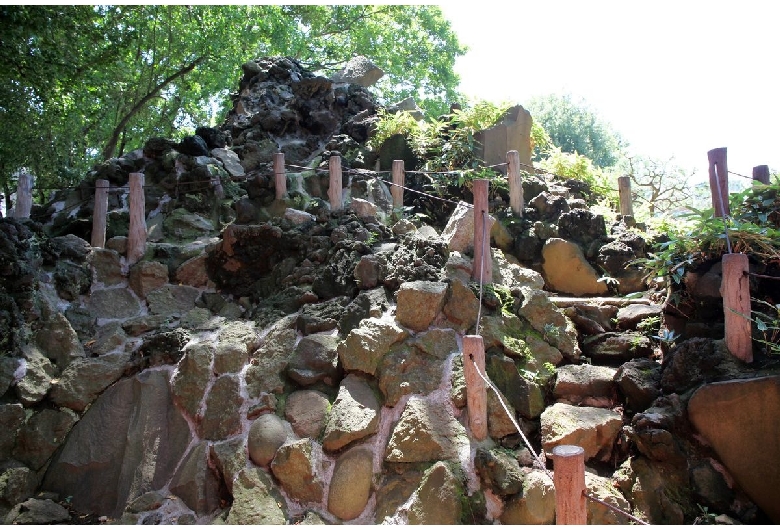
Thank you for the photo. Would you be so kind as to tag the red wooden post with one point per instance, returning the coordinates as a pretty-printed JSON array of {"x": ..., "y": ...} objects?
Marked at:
[
  {"x": 719, "y": 181},
  {"x": 483, "y": 261},
  {"x": 99, "y": 214},
  {"x": 569, "y": 481},
  {"x": 23, "y": 196},
  {"x": 334, "y": 191},
  {"x": 516, "y": 200},
  {"x": 398, "y": 180},
  {"x": 761, "y": 175},
  {"x": 280, "y": 177},
  {"x": 624, "y": 192},
  {"x": 136, "y": 237},
  {"x": 735, "y": 290},
  {"x": 476, "y": 393}
]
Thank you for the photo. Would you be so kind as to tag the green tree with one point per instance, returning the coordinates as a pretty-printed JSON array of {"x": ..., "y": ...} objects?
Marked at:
[
  {"x": 83, "y": 83},
  {"x": 575, "y": 128}
]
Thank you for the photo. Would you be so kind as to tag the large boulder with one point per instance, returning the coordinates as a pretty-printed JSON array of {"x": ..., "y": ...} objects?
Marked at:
[
  {"x": 148, "y": 438},
  {"x": 266, "y": 436},
  {"x": 84, "y": 379},
  {"x": 425, "y": 432},
  {"x": 639, "y": 381},
  {"x": 146, "y": 276},
  {"x": 192, "y": 377},
  {"x": 350, "y": 486},
  {"x": 298, "y": 466},
  {"x": 408, "y": 370},
  {"x": 35, "y": 376},
  {"x": 419, "y": 303},
  {"x": 499, "y": 471},
  {"x": 222, "y": 415},
  {"x": 195, "y": 481},
  {"x": 593, "y": 429},
  {"x": 615, "y": 348},
  {"x": 38, "y": 512},
  {"x": 314, "y": 359},
  {"x": 307, "y": 412},
  {"x": 536, "y": 504},
  {"x": 567, "y": 270},
  {"x": 585, "y": 384},
  {"x": 360, "y": 71},
  {"x": 438, "y": 500},
  {"x": 657, "y": 491},
  {"x": 256, "y": 500},
  {"x": 270, "y": 361},
  {"x": 462, "y": 306},
  {"x": 738, "y": 418},
  {"x": 41, "y": 435},
  {"x": 525, "y": 396},
  {"x": 172, "y": 299},
  {"x": 556, "y": 329},
  {"x": 116, "y": 303},
  {"x": 58, "y": 341},
  {"x": 365, "y": 346},
  {"x": 354, "y": 415}
]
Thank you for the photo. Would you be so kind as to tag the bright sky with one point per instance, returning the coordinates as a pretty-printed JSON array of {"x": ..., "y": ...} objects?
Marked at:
[{"x": 673, "y": 78}]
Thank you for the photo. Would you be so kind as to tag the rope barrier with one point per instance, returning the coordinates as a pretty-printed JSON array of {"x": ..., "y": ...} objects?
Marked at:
[
  {"x": 538, "y": 457},
  {"x": 739, "y": 175},
  {"x": 765, "y": 276},
  {"x": 425, "y": 194}
]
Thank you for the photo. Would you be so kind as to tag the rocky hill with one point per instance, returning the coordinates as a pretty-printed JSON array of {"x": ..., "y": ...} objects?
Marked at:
[{"x": 274, "y": 362}]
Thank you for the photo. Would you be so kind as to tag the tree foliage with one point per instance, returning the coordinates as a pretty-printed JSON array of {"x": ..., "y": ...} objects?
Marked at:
[
  {"x": 574, "y": 128},
  {"x": 82, "y": 83},
  {"x": 657, "y": 186}
]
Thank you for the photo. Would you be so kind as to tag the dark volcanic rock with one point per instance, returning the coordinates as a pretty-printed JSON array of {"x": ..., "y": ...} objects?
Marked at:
[
  {"x": 193, "y": 146},
  {"x": 583, "y": 227},
  {"x": 697, "y": 361},
  {"x": 248, "y": 253},
  {"x": 303, "y": 111}
]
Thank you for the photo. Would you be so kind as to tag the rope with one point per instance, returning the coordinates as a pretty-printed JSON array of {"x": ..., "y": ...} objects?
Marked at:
[
  {"x": 536, "y": 455},
  {"x": 614, "y": 508},
  {"x": 765, "y": 276},
  {"x": 739, "y": 175},
  {"x": 426, "y": 194}
]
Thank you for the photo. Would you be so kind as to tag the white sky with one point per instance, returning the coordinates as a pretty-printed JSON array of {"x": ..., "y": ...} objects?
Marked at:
[{"x": 673, "y": 78}]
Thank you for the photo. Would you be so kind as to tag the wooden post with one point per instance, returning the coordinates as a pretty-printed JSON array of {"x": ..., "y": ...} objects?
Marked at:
[
  {"x": 280, "y": 177},
  {"x": 735, "y": 290},
  {"x": 483, "y": 261},
  {"x": 761, "y": 175},
  {"x": 569, "y": 481},
  {"x": 219, "y": 191},
  {"x": 398, "y": 180},
  {"x": 136, "y": 237},
  {"x": 624, "y": 191},
  {"x": 476, "y": 393},
  {"x": 516, "y": 200},
  {"x": 99, "y": 214},
  {"x": 334, "y": 191},
  {"x": 719, "y": 181},
  {"x": 23, "y": 196}
]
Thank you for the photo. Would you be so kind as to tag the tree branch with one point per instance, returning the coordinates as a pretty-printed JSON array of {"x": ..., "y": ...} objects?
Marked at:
[{"x": 110, "y": 148}]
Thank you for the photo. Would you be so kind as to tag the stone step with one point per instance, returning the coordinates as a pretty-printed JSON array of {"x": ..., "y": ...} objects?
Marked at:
[{"x": 570, "y": 301}]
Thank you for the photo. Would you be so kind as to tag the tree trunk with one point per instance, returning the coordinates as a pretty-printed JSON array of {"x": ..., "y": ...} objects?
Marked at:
[{"x": 110, "y": 148}]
